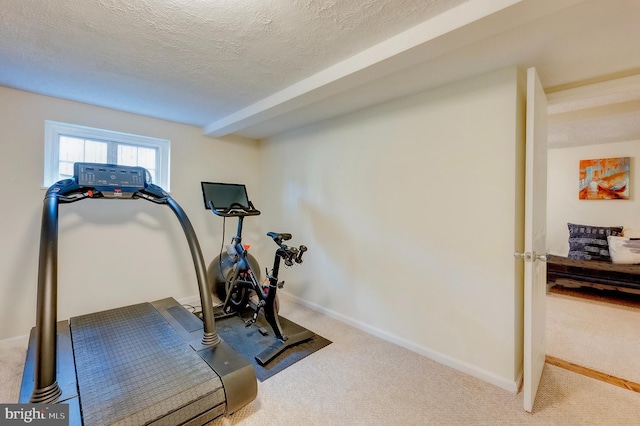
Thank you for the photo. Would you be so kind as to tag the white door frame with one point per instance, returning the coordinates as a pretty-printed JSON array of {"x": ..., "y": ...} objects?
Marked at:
[{"x": 535, "y": 273}]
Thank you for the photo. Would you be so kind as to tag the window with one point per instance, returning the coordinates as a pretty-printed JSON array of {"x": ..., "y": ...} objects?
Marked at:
[{"x": 66, "y": 144}]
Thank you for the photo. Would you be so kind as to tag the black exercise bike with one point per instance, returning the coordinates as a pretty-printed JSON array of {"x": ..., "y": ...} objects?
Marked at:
[{"x": 236, "y": 273}]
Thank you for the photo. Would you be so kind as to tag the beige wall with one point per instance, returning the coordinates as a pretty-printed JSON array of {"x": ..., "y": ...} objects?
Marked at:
[
  {"x": 411, "y": 211},
  {"x": 562, "y": 194},
  {"x": 112, "y": 252}
]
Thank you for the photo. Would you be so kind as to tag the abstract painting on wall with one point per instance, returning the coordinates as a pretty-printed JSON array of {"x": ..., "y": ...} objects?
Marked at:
[{"x": 604, "y": 179}]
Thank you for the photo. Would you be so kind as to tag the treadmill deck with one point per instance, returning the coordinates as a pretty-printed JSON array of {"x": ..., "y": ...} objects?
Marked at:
[
  {"x": 132, "y": 368},
  {"x": 144, "y": 364}
]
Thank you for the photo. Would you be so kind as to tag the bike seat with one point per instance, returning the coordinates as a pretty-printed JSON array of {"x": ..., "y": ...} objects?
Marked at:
[{"x": 279, "y": 237}]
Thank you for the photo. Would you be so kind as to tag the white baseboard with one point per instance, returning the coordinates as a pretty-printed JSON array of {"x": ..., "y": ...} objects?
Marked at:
[
  {"x": 15, "y": 342},
  {"x": 487, "y": 376},
  {"x": 189, "y": 300},
  {"x": 195, "y": 300},
  {"x": 510, "y": 386},
  {"x": 519, "y": 381}
]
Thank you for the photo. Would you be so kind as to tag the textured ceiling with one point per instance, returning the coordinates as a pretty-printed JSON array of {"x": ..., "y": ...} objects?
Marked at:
[
  {"x": 191, "y": 61},
  {"x": 258, "y": 67},
  {"x": 596, "y": 113}
]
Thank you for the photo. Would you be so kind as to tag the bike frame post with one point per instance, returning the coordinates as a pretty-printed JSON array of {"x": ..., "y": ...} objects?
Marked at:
[
  {"x": 239, "y": 231},
  {"x": 269, "y": 309}
]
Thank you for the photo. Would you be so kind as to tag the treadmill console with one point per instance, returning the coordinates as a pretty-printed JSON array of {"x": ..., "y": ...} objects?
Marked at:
[{"x": 110, "y": 178}]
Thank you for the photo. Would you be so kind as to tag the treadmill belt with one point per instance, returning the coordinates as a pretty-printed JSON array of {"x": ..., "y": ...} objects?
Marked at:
[{"x": 133, "y": 369}]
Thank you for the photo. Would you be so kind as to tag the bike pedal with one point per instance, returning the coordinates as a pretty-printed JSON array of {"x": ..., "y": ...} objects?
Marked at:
[
  {"x": 263, "y": 331},
  {"x": 281, "y": 284}
]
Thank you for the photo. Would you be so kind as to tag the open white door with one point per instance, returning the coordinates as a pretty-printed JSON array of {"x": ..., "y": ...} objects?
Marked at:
[{"x": 535, "y": 271}]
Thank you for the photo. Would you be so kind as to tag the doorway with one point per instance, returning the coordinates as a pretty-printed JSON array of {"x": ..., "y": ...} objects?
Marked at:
[{"x": 593, "y": 330}]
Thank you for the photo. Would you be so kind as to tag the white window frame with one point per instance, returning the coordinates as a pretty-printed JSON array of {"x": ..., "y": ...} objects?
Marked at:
[{"x": 53, "y": 130}]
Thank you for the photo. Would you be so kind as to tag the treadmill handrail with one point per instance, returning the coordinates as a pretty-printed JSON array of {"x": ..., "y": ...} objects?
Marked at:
[{"x": 46, "y": 389}]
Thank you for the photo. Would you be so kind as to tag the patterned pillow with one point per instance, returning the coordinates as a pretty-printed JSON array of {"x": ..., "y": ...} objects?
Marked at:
[{"x": 590, "y": 242}]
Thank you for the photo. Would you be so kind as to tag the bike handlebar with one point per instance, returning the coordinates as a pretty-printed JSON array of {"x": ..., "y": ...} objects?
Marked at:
[
  {"x": 291, "y": 254},
  {"x": 301, "y": 251},
  {"x": 234, "y": 210}
]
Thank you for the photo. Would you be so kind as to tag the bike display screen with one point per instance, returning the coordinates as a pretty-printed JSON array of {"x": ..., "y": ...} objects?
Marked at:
[{"x": 223, "y": 195}]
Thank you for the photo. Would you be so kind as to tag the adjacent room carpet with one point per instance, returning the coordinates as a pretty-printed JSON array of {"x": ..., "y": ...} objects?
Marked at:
[{"x": 594, "y": 332}]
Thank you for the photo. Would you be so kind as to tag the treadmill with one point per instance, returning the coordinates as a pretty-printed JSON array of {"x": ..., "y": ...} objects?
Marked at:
[{"x": 145, "y": 364}]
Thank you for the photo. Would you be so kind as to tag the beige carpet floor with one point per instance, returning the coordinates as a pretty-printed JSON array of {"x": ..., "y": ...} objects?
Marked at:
[
  {"x": 362, "y": 380},
  {"x": 595, "y": 334}
]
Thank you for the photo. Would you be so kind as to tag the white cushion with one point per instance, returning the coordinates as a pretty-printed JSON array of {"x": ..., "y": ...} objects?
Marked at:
[{"x": 624, "y": 250}]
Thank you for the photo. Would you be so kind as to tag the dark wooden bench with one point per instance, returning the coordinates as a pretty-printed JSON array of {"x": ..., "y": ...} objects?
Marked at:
[{"x": 593, "y": 273}]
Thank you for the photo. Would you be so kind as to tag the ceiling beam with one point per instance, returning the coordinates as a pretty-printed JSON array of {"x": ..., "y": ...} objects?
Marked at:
[
  {"x": 360, "y": 68},
  {"x": 595, "y": 113}
]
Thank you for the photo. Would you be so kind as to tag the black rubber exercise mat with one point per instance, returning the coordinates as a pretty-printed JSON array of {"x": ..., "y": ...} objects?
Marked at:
[{"x": 249, "y": 341}]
